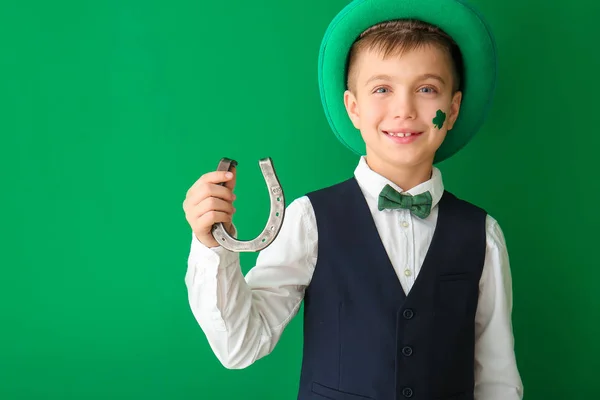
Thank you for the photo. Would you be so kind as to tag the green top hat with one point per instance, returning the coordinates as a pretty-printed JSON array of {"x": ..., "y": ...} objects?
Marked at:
[{"x": 457, "y": 18}]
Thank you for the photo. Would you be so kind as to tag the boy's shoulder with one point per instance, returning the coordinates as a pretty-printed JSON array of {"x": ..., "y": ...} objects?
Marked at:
[
  {"x": 345, "y": 185},
  {"x": 449, "y": 196}
]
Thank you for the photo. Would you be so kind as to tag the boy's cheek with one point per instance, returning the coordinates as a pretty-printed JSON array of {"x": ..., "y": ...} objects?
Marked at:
[{"x": 439, "y": 120}]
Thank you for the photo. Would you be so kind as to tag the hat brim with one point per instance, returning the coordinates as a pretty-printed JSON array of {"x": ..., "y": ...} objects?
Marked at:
[{"x": 458, "y": 19}]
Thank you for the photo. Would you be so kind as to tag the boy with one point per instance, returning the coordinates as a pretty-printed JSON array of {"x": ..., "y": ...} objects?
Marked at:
[{"x": 406, "y": 289}]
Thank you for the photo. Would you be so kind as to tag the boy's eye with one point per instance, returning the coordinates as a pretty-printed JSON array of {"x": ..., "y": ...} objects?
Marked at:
[
  {"x": 380, "y": 90},
  {"x": 428, "y": 89}
]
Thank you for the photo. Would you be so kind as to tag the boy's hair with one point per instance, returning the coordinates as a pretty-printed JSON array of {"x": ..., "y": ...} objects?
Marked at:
[{"x": 394, "y": 37}]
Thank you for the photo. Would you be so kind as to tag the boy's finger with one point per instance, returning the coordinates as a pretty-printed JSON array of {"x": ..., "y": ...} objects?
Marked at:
[
  {"x": 215, "y": 177},
  {"x": 207, "y": 191},
  {"x": 212, "y": 205}
]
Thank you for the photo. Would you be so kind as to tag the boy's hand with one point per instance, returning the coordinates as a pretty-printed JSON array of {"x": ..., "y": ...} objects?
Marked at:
[{"x": 207, "y": 203}]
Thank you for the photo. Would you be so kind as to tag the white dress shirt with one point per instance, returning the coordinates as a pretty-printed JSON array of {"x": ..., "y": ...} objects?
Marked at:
[{"x": 244, "y": 317}]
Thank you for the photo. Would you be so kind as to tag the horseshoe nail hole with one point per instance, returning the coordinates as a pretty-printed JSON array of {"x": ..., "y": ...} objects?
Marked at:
[
  {"x": 264, "y": 240},
  {"x": 272, "y": 228},
  {"x": 277, "y": 214},
  {"x": 279, "y": 199},
  {"x": 222, "y": 238}
]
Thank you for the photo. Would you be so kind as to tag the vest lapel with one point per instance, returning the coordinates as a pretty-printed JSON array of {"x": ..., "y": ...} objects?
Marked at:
[
  {"x": 435, "y": 252},
  {"x": 372, "y": 252}
]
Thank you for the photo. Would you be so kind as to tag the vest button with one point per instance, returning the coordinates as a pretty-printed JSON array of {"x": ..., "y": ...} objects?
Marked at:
[
  {"x": 407, "y": 392},
  {"x": 408, "y": 313},
  {"x": 407, "y": 351}
]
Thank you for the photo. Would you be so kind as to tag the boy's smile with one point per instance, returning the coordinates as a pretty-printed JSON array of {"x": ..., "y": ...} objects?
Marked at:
[
  {"x": 404, "y": 136},
  {"x": 403, "y": 106}
]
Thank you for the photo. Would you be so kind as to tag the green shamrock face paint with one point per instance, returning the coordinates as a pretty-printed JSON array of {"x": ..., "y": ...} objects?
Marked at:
[{"x": 439, "y": 119}]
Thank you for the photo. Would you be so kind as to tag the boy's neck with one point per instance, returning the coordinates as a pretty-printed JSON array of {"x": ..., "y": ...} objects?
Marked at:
[{"x": 405, "y": 177}]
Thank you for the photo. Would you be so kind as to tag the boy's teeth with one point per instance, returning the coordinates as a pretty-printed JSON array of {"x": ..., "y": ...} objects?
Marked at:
[{"x": 400, "y": 134}]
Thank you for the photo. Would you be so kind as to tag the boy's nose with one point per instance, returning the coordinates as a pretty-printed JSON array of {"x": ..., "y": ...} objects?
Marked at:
[{"x": 404, "y": 107}]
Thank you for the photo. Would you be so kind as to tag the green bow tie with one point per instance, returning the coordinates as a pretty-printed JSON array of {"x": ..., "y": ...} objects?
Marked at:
[{"x": 419, "y": 205}]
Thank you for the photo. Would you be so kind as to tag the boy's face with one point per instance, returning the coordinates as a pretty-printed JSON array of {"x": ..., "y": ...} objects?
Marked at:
[{"x": 402, "y": 95}]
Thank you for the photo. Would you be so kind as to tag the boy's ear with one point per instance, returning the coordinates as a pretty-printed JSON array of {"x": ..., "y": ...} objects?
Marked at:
[
  {"x": 352, "y": 108},
  {"x": 454, "y": 109}
]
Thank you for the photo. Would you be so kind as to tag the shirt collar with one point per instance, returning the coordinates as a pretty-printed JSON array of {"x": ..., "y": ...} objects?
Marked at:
[{"x": 372, "y": 183}]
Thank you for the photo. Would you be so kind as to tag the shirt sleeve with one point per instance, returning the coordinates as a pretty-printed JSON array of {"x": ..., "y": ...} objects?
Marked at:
[
  {"x": 244, "y": 317},
  {"x": 496, "y": 373}
]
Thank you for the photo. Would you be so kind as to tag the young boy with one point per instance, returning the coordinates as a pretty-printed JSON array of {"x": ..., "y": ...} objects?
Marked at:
[{"x": 406, "y": 288}]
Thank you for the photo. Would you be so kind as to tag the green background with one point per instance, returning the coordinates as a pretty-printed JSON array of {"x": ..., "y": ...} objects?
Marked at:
[{"x": 110, "y": 110}]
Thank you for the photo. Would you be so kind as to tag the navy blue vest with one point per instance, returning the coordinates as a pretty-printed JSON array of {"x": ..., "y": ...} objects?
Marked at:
[{"x": 363, "y": 337}]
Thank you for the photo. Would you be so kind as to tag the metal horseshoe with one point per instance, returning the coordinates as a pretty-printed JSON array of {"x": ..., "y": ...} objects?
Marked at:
[{"x": 276, "y": 214}]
